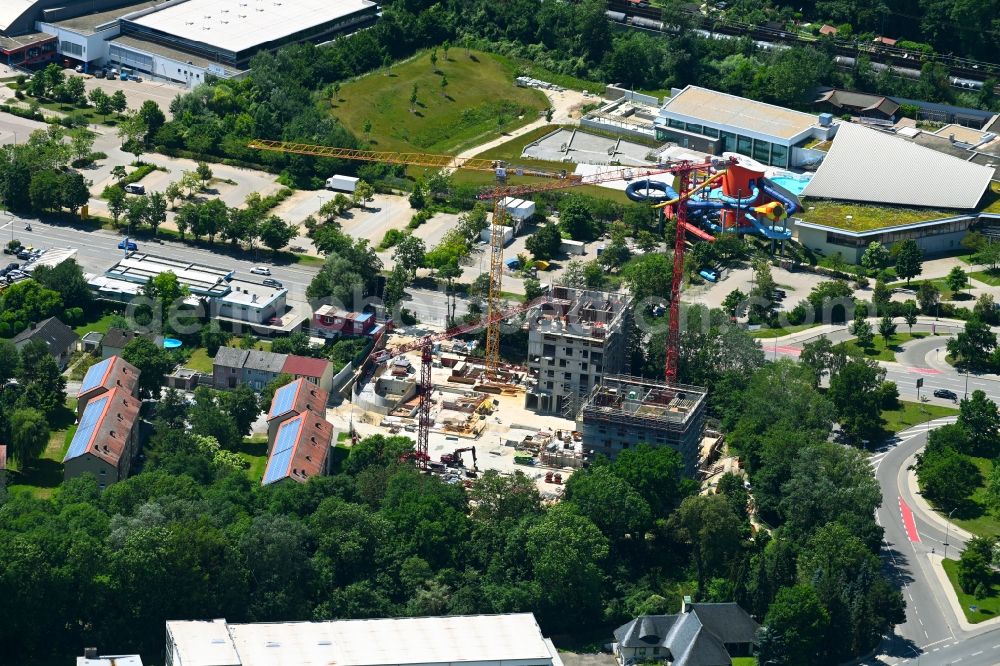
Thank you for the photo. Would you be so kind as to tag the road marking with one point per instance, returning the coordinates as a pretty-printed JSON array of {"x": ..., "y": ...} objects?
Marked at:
[
  {"x": 908, "y": 522},
  {"x": 791, "y": 351},
  {"x": 974, "y": 654},
  {"x": 996, "y": 646},
  {"x": 920, "y": 621},
  {"x": 925, "y": 371}
]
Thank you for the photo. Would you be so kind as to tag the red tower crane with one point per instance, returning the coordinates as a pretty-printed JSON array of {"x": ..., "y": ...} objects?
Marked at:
[{"x": 426, "y": 345}]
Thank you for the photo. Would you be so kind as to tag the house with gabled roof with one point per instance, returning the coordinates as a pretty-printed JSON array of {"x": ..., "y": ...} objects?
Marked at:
[
  {"x": 300, "y": 450},
  {"x": 700, "y": 635},
  {"x": 293, "y": 399},
  {"x": 112, "y": 372},
  {"x": 57, "y": 336},
  {"x": 106, "y": 440}
]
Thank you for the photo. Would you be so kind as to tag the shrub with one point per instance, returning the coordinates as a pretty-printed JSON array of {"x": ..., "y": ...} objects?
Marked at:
[
  {"x": 392, "y": 237},
  {"x": 419, "y": 218}
]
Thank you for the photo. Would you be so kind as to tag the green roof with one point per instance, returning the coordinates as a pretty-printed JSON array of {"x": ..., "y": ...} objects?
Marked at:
[{"x": 866, "y": 217}]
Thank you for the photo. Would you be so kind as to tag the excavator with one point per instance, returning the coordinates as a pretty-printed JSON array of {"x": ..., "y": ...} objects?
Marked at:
[{"x": 454, "y": 459}]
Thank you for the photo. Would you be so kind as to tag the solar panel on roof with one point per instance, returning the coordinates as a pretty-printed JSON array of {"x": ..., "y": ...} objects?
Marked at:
[
  {"x": 284, "y": 447},
  {"x": 95, "y": 374},
  {"x": 283, "y": 398},
  {"x": 85, "y": 431}
]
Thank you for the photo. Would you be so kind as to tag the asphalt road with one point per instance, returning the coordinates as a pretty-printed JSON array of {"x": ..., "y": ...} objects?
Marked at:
[
  {"x": 97, "y": 251},
  {"x": 931, "y": 634}
]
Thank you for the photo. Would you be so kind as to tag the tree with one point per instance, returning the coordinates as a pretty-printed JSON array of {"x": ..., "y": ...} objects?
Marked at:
[
  {"x": 204, "y": 173},
  {"x": 413, "y": 101},
  {"x": 707, "y": 523},
  {"x": 152, "y": 117},
  {"x": 363, "y": 192},
  {"x": 44, "y": 190},
  {"x": 173, "y": 192},
  {"x": 444, "y": 85},
  {"x": 979, "y": 418},
  {"x": 986, "y": 310},
  {"x": 213, "y": 337},
  {"x": 881, "y": 295},
  {"x": 648, "y": 276},
  {"x": 275, "y": 233},
  {"x": 822, "y": 356},
  {"x": 73, "y": 191},
  {"x": 156, "y": 211},
  {"x": 153, "y": 363},
  {"x": 988, "y": 253},
  {"x": 910, "y": 313},
  {"x": 657, "y": 474},
  {"x": 734, "y": 302},
  {"x": 909, "y": 259},
  {"x": 82, "y": 141},
  {"x": 409, "y": 254},
  {"x": 9, "y": 360},
  {"x": 434, "y": 59},
  {"x": 862, "y": 330},
  {"x": 101, "y": 101},
  {"x": 68, "y": 279},
  {"x": 395, "y": 286},
  {"x": 136, "y": 210},
  {"x": 956, "y": 279},
  {"x": 971, "y": 347},
  {"x": 544, "y": 243},
  {"x": 611, "y": 503},
  {"x": 887, "y": 329},
  {"x": 797, "y": 624},
  {"x": 875, "y": 256},
  {"x": 573, "y": 275},
  {"x": 854, "y": 391},
  {"x": 132, "y": 131},
  {"x": 118, "y": 101},
  {"x": 43, "y": 386},
  {"x": 946, "y": 476},
  {"x": 576, "y": 218},
  {"x": 499, "y": 499},
  {"x": 29, "y": 435},
  {"x": 974, "y": 565},
  {"x": 565, "y": 552},
  {"x": 928, "y": 296},
  {"x": 210, "y": 417},
  {"x": 118, "y": 172},
  {"x": 532, "y": 289},
  {"x": 241, "y": 405}
]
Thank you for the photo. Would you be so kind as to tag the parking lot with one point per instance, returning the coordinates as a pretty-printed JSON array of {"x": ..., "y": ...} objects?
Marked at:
[{"x": 135, "y": 91}]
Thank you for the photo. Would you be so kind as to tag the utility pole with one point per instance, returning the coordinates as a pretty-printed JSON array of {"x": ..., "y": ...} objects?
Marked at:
[{"x": 947, "y": 530}]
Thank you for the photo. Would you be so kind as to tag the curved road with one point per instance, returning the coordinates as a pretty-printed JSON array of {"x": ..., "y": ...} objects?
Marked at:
[{"x": 932, "y": 633}]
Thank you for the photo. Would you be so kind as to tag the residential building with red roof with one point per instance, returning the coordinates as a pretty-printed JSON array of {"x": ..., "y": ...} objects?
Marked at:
[
  {"x": 106, "y": 440},
  {"x": 299, "y": 397},
  {"x": 299, "y": 450},
  {"x": 318, "y": 371},
  {"x": 112, "y": 372},
  {"x": 331, "y": 322}
]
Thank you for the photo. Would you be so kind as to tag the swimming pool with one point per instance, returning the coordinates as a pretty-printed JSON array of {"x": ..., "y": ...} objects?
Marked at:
[
  {"x": 171, "y": 343},
  {"x": 792, "y": 183}
]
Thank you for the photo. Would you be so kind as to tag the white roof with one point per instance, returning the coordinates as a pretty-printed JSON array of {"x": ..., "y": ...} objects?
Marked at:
[
  {"x": 111, "y": 660},
  {"x": 868, "y": 165},
  {"x": 10, "y": 10},
  {"x": 718, "y": 108},
  {"x": 236, "y": 25},
  {"x": 512, "y": 638}
]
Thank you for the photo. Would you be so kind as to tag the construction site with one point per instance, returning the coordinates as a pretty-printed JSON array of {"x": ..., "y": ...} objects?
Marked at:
[{"x": 570, "y": 402}]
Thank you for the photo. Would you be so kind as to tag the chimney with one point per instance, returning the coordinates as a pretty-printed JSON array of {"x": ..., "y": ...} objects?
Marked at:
[
  {"x": 34, "y": 325},
  {"x": 90, "y": 653},
  {"x": 951, "y": 137}
]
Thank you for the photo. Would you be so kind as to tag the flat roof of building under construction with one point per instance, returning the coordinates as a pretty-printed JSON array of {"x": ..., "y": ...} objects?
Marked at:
[
  {"x": 647, "y": 401},
  {"x": 586, "y": 313}
]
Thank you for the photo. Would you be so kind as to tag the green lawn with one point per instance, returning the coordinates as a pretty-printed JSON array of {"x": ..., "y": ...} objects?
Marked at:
[
  {"x": 779, "y": 332},
  {"x": 940, "y": 283},
  {"x": 45, "y": 475},
  {"x": 974, "y": 514},
  {"x": 989, "y": 277},
  {"x": 200, "y": 361},
  {"x": 992, "y": 199},
  {"x": 101, "y": 324},
  {"x": 479, "y": 102},
  {"x": 865, "y": 217},
  {"x": 744, "y": 661},
  {"x": 910, "y": 414},
  {"x": 986, "y": 609},
  {"x": 879, "y": 351},
  {"x": 254, "y": 451}
]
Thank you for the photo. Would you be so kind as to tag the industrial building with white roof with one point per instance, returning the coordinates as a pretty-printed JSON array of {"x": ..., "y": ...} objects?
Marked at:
[{"x": 484, "y": 640}]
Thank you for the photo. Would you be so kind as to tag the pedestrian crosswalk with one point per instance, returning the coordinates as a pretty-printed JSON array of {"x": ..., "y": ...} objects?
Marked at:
[{"x": 906, "y": 435}]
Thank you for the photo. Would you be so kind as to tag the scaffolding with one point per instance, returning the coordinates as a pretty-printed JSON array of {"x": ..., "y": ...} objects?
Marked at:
[{"x": 646, "y": 403}]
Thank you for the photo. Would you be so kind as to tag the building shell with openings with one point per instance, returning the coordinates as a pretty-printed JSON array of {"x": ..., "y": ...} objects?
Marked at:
[
  {"x": 622, "y": 412},
  {"x": 572, "y": 344}
]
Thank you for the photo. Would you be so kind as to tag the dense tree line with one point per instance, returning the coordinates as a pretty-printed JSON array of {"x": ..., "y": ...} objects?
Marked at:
[{"x": 35, "y": 176}]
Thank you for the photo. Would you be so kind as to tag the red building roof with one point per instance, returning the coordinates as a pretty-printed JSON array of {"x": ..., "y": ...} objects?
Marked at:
[
  {"x": 105, "y": 427},
  {"x": 298, "y": 397},
  {"x": 303, "y": 366}
]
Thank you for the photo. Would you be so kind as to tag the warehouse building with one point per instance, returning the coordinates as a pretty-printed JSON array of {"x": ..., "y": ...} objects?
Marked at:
[
  {"x": 482, "y": 640},
  {"x": 715, "y": 123},
  {"x": 622, "y": 412}
]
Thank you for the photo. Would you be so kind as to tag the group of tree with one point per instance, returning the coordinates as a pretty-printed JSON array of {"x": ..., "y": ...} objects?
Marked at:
[
  {"x": 35, "y": 177},
  {"x": 46, "y": 294},
  {"x": 947, "y": 475},
  {"x": 31, "y": 403},
  {"x": 244, "y": 226}
]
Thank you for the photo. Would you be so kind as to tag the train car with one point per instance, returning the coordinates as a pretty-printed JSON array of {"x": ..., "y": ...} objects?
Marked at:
[
  {"x": 617, "y": 17},
  {"x": 650, "y": 24}
]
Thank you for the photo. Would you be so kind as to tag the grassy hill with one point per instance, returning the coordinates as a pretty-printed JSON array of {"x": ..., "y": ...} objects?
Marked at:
[{"x": 479, "y": 102}]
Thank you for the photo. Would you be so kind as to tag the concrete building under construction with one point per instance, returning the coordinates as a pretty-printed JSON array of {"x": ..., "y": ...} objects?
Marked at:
[
  {"x": 572, "y": 345},
  {"x": 624, "y": 411}
]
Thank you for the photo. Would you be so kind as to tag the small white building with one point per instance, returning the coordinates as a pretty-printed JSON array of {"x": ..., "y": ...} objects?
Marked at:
[
  {"x": 486, "y": 235},
  {"x": 519, "y": 209},
  {"x": 484, "y": 640}
]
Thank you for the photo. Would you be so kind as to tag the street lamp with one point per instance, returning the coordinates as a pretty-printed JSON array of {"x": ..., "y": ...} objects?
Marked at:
[
  {"x": 966, "y": 382},
  {"x": 947, "y": 529}
]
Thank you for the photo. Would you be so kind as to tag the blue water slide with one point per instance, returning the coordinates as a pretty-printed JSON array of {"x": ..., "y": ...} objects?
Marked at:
[
  {"x": 745, "y": 202},
  {"x": 704, "y": 205},
  {"x": 640, "y": 190},
  {"x": 772, "y": 233},
  {"x": 781, "y": 195}
]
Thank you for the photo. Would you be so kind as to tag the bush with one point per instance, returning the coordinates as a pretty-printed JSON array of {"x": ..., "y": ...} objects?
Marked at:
[
  {"x": 419, "y": 218},
  {"x": 392, "y": 237},
  {"x": 888, "y": 395},
  {"x": 140, "y": 173},
  {"x": 21, "y": 112},
  {"x": 407, "y": 317}
]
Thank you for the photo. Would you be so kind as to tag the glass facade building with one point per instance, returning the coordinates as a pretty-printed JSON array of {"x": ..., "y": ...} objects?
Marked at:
[{"x": 771, "y": 153}]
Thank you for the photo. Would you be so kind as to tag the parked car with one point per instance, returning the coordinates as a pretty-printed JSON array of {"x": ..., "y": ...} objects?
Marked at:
[
  {"x": 100, "y": 74},
  {"x": 23, "y": 254},
  {"x": 13, "y": 266},
  {"x": 78, "y": 69},
  {"x": 271, "y": 282},
  {"x": 135, "y": 188},
  {"x": 126, "y": 244},
  {"x": 946, "y": 394},
  {"x": 709, "y": 275},
  {"x": 260, "y": 270}
]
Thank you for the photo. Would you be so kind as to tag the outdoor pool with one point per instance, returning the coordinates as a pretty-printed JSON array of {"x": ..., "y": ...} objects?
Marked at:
[
  {"x": 792, "y": 183},
  {"x": 171, "y": 343}
]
